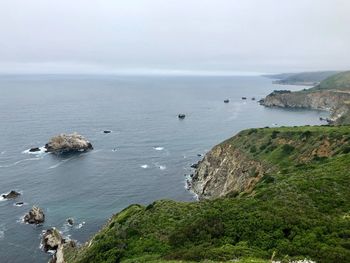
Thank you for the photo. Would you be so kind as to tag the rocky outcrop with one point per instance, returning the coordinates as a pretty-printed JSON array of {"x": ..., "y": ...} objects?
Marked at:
[
  {"x": 336, "y": 102},
  {"x": 68, "y": 143},
  {"x": 34, "y": 216},
  {"x": 51, "y": 239},
  {"x": 11, "y": 195},
  {"x": 224, "y": 171}
]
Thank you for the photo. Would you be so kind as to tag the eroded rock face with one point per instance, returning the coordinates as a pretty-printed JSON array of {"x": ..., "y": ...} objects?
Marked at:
[
  {"x": 11, "y": 195},
  {"x": 226, "y": 171},
  {"x": 68, "y": 143},
  {"x": 333, "y": 101},
  {"x": 35, "y": 216},
  {"x": 52, "y": 239}
]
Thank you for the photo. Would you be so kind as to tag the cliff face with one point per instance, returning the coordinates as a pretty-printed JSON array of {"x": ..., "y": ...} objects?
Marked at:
[
  {"x": 332, "y": 94},
  {"x": 332, "y": 101},
  {"x": 224, "y": 171}
]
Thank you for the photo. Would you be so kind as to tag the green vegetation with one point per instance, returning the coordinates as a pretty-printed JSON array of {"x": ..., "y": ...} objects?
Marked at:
[
  {"x": 303, "y": 78},
  {"x": 301, "y": 209},
  {"x": 340, "y": 81}
]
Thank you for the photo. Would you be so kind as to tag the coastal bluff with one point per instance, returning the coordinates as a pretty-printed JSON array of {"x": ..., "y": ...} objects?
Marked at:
[{"x": 332, "y": 95}]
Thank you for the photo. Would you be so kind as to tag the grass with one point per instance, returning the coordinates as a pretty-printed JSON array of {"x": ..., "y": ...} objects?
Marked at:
[{"x": 299, "y": 210}]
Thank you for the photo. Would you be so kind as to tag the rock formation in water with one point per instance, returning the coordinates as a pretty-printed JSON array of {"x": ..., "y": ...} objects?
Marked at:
[
  {"x": 11, "y": 195},
  {"x": 68, "y": 143},
  {"x": 34, "y": 216}
]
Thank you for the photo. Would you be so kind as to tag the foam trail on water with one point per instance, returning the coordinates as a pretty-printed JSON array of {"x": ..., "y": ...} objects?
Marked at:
[
  {"x": 144, "y": 166},
  {"x": 18, "y": 162}
]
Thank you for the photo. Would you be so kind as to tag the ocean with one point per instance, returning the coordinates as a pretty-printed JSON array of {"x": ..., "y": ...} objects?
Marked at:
[{"x": 146, "y": 157}]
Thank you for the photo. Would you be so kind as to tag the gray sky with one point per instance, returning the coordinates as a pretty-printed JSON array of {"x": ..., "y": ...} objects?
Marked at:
[{"x": 106, "y": 36}]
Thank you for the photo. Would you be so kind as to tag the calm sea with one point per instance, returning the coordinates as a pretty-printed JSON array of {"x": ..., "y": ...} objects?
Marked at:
[{"x": 144, "y": 159}]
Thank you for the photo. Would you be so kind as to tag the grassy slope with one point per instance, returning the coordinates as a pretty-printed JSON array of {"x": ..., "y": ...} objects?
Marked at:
[
  {"x": 340, "y": 81},
  {"x": 303, "y": 77},
  {"x": 300, "y": 210}
]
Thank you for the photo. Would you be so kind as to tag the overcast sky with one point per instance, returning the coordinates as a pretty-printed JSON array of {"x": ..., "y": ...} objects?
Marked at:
[{"x": 106, "y": 36}]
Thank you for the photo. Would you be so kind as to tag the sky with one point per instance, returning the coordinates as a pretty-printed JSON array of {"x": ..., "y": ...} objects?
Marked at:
[{"x": 174, "y": 36}]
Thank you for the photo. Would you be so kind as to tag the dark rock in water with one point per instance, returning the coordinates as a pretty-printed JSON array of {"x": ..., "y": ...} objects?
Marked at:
[
  {"x": 199, "y": 155},
  {"x": 70, "y": 221},
  {"x": 11, "y": 195},
  {"x": 35, "y": 149},
  {"x": 253, "y": 98},
  {"x": 68, "y": 143},
  {"x": 181, "y": 116},
  {"x": 195, "y": 165},
  {"x": 107, "y": 131},
  {"x": 244, "y": 98},
  {"x": 19, "y": 203},
  {"x": 52, "y": 239},
  {"x": 35, "y": 216},
  {"x": 226, "y": 101}
]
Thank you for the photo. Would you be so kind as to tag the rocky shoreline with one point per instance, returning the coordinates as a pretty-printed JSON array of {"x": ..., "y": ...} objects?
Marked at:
[{"x": 332, "y": 101}]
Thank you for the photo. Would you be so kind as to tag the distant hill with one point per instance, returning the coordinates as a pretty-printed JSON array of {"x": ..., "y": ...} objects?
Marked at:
[
  {"x": 332, "y": 94},
  {"x": 303, "y": 78},
  {"x": 340, "y": 81}
]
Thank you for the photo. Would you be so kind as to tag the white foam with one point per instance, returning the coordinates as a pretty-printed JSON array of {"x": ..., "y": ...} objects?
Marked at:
[
  {"x": 19, "y": 205},
  {"x": 80, "y": 225},
  {"x": 42, "y": 151},
  {"x": 162, "y": 167},
  {"x": 158, "y": 148},
  {"x": 144, "y": 166},
  {"x": 1, "y": 198}
]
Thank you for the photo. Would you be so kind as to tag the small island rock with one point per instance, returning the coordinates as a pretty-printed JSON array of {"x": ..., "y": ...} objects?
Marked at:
[
  {"x": 70, "y": 221},
  {"x": 11, "y": 195},
  {"x": 34, "y": 149},
  {"x": 68, "y": 143},
  {"x": 35, "y": 216}
]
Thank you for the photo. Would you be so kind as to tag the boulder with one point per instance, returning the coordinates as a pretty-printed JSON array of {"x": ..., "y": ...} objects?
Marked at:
[
  {"x": 70, "y": 221},
  {"x": 195, "y": 165},
  {"x": 107, "y": 131},
  {"x": 68, "y": 143},
  {"x": 226, "y": 101},
  {"x": 34, "y": 149},
  {"x": 244, "y": 98},
  {"x": 34, "y": 216},
  {"x": 52, "y": 239},
  {"x": 11, "y": 195}
]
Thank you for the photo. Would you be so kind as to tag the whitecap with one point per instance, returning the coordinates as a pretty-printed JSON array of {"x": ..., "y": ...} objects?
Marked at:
[
  {"x": 42, "y": 151},
  {"x": 144, "y": 166},
  {"x": 158, "y": 148},
  {"x": 80, "y": 225},
  {"x": 162, "y": 167},
  {"x": 2, "y": 198}
]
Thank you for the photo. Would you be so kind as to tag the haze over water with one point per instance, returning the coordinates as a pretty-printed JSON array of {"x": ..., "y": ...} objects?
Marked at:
[{"x": 144, "y": 159}]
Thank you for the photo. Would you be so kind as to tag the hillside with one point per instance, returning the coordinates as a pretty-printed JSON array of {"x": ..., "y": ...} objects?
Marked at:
[
  {"x": 303, "y": 78},
  {"x": 298, "y": 206},
  {"x": 332, "y": 94}
]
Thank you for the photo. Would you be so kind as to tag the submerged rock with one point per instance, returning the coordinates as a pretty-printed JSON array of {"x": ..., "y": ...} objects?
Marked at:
[
  {"x": 70, "y": 221},
  {"x": 181, "y": 116},
  {"x": 34, "y": 216},
  {"x": 34, "y": 149},
  {"x": 244, "y": 98},
  {"x": 226, "y": 101},
  {"x": 107, "y": 131},
  {"x": 11, "y": 195},
  {"x": 68, "y": 143}
]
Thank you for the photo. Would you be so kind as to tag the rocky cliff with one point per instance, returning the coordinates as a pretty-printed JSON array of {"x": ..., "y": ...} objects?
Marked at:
[
  {"x": 238, "y": 164},
  {"x": 226, "y": 170},
  {"x": 332, "y": 94}
]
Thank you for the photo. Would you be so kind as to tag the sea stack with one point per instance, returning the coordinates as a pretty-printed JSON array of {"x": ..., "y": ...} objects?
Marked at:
[
  {"x": 35, "y": 216},
  {"x": 11, "y": 195},
  {"x": 68, "y": 143}
]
